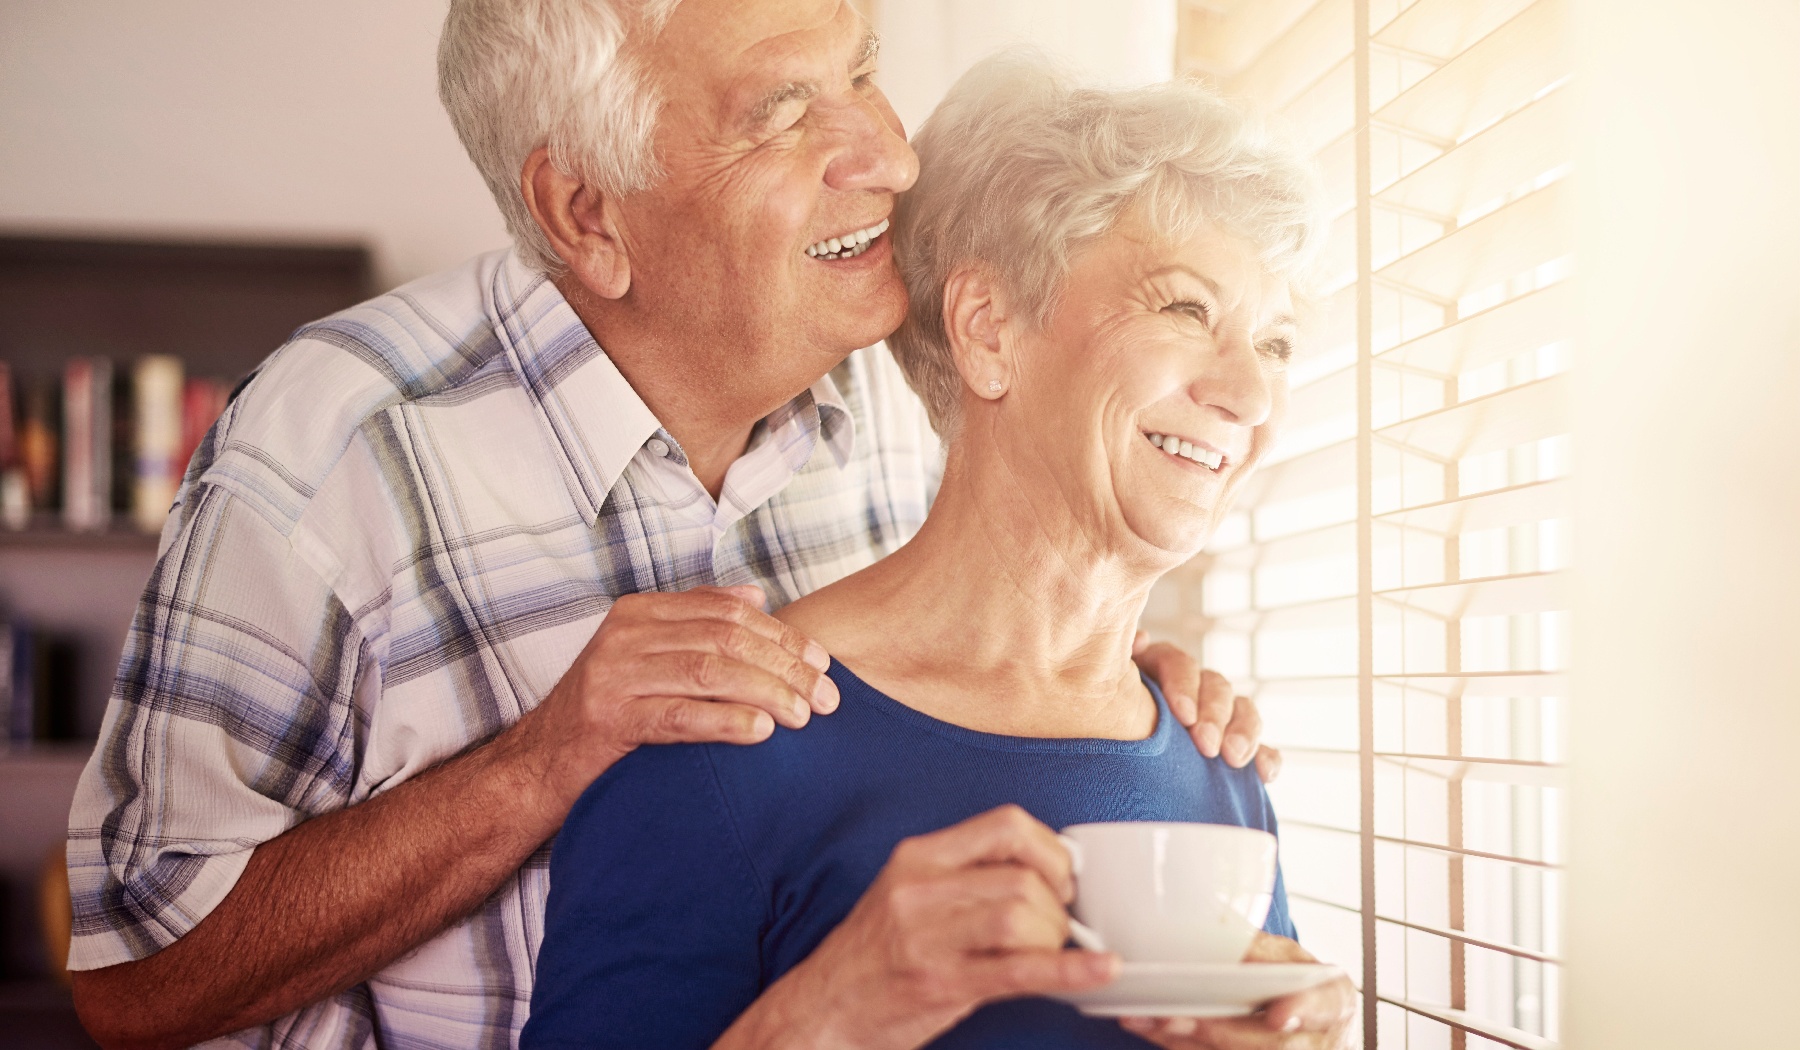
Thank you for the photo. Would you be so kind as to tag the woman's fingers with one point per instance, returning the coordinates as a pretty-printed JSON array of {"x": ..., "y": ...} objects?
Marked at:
[
  {"x": 1189, "y": 1033},
  {"x": 1005, "y": 834},
  {"x": 1040, "y": 972},
  {"x": 1319, "y": 1009},
  {"x": 993, "y": 908}
]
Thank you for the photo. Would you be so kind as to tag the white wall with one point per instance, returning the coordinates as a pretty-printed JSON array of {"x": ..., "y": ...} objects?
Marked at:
[
  {"x": 231, "y": 118},
  {"x": 1684, "y": 885},
  {"x": 927, "y": 44}
]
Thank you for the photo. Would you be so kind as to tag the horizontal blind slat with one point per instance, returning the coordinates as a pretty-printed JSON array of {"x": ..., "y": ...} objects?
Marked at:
[
  {"x": 1504, "y": 419},
  {"x": 1495, "y": 75},
  {"x": 1524, "y": 323},
  {"x": 1429, "y": 847},
  {"x": 1443, "y": 28},
  {"x": 1468, "y": 1022},
  {"x": 1493, "y": 596},
  {"x": 1492, "y": 163},
  {"x": 1318, "y": 41},
  {"x": 1324, "y": 468},
  {"x": 1221, "y": 37},
  {"x": 1517, "y": 505},
  {"x": 1504, "y": 243}
]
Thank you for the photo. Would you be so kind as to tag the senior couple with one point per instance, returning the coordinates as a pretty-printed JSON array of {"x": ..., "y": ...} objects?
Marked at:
[{"x": 454, "y": 557}]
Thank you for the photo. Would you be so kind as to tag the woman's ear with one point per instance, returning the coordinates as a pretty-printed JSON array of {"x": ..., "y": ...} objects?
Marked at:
[
  {"x": 975, "y": 319},
  {"x": 581, "y": 224}
]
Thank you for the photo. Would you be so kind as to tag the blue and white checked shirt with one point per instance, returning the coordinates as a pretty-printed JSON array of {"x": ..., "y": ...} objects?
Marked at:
[{"x": 394, "y": 543}]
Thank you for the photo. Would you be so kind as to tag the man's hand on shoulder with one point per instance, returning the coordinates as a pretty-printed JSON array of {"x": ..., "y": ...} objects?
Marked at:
[
  {"x": 1221, "y": 722},
  {"x": 700, "y": 666}
]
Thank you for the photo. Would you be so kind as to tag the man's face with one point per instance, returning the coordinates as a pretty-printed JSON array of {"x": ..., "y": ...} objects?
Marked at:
[{"x": 774, "y": 140}]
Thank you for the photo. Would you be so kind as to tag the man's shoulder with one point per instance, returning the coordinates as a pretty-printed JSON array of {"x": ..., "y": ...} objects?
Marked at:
[{"x": 296, "y": 415}]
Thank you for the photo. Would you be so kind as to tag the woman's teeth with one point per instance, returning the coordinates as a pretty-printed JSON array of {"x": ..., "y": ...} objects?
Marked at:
[
  {"x": 850, "y": 245},
  {"x": 1177, "y": 447}
]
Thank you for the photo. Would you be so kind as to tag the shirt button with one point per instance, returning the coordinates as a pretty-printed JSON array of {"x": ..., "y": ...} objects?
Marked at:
[{"x": 659, "y": 448}]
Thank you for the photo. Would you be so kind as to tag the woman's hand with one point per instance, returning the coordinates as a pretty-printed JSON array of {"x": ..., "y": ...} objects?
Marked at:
[
  {"x": 957, "y": 918},
  {"x": 1320, "y": 1018}
]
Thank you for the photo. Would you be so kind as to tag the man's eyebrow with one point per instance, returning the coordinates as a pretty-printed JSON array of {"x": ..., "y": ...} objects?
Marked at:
[
  {"x": 792, "y": 91},
  {"x": 801, "y": 90},
  {"x": 866, "y": 51}
]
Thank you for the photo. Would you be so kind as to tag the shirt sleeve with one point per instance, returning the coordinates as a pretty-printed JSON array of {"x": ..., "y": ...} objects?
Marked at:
[
  {"x": 1280, "y": 921},
  {"x": 232, "y": 719},
  {"x": 654, "y": 927}
]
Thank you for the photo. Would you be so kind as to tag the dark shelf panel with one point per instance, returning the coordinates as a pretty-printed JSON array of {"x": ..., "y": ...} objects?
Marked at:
[
  {"x": 220, "y": 307},
  {"x": 47, "y": 535},
  {"x": 48, "y": 752}
]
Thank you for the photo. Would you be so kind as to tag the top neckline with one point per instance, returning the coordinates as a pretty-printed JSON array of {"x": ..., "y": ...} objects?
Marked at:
[{"x": 1154, "y": 744}]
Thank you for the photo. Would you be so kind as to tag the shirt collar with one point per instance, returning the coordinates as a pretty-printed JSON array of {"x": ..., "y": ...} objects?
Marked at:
[{"x": 589, "y": 409}]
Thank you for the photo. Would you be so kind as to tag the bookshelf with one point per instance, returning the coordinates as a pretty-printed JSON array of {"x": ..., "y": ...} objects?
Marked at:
[{"x": 219, "y": 308}]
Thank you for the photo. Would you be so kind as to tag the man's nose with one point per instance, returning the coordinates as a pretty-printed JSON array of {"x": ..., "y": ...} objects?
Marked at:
[
  {"x": 874, "y": 154},
  {"x": 1236, "y": 382}
]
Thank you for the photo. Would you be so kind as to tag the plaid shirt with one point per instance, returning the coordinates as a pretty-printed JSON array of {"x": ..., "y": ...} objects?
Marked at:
[{"x": 393, "y": 544}]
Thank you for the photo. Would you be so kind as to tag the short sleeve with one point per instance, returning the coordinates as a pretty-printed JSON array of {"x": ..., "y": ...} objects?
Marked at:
[
  {"x": 655, "y": 919},
  {"x": 232, "y": 719},
  {"x": 1281, "y": 919}
]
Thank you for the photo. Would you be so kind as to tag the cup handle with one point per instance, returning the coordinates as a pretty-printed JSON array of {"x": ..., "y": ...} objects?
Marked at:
[{"x": 1079, "y": 932}]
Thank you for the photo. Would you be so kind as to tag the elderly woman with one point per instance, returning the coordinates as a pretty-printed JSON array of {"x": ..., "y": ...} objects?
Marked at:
[{"x": 1100, "y": 319}]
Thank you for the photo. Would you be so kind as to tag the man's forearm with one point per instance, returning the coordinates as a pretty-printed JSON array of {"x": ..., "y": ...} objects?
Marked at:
[{"x": 333, "y": 900}]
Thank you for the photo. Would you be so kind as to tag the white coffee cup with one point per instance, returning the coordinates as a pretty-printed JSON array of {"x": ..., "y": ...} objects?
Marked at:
[{"x": 1170, "y": 892}]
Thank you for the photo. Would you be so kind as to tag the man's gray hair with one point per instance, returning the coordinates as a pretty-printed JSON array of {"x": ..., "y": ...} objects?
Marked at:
[
  {"x": 519, "y": 74},
  {"x": 1020, "y": 169}
]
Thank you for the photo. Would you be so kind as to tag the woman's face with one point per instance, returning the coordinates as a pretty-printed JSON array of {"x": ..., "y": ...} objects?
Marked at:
[{"x": 1186, "y": 342}]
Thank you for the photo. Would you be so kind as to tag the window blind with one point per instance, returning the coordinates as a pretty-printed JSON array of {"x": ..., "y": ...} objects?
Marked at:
[{"x": 1390, "y": 587}]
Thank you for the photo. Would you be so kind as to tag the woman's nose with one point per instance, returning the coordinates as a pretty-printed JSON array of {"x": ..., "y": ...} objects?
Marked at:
[
  {"x": 874, "y": 154},
  {"x": 1236, "y": 382}
]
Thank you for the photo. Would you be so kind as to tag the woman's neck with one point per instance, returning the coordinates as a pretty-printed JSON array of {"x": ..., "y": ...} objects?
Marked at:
[{"x": 1002, "y": 614}]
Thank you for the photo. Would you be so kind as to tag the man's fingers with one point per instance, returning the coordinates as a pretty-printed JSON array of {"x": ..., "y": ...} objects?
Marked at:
[
  {"x": 705, "y": 675},
  {"x": 1242, "y": 733},
  {"x": 737, "y": 641},
  {"x": 1217, "y": 702},
  {"x": 1001, "y": 835},
  {"x": 742, "y": 606},
  {"x": 684, "y": 720},
  {"x": 1268, "y": 763},
  {"x": 1176, "y": 673}
]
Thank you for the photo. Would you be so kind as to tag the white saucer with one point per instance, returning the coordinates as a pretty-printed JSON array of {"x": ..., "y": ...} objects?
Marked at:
[{"x": 1198, "y": 989}]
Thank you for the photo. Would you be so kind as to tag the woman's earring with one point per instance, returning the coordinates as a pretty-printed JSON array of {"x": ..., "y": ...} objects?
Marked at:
[{"x": 993, "y": 386}]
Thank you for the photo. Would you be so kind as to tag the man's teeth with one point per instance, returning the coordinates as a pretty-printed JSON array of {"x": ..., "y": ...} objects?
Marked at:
[
  {"x": 1176, "y": 447},
  {"x": 850, "y": 245}
]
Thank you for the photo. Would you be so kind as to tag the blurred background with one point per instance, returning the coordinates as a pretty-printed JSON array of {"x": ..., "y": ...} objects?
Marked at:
[{"x": 1516, "y": 597}]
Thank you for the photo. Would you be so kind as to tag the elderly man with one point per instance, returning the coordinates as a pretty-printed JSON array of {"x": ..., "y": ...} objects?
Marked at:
[{"x": 445, "y": 559}]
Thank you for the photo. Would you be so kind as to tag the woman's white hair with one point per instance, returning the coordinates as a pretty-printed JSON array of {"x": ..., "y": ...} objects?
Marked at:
[
  {"x": 1020, "y": 169},
  {"x": 519, "y": 74}
]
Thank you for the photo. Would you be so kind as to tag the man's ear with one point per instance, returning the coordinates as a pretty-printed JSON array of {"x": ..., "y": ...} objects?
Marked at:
[
  {"x": 975, "y": 319},
  {"x": 581, "y": 224}
]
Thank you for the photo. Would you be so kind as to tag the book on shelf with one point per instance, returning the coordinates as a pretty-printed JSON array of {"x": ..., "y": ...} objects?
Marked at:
[
  {"x": 37, "y": 684},
  {"x": 101, "y": 444},
  {"x": 87, "y": 444}
]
